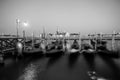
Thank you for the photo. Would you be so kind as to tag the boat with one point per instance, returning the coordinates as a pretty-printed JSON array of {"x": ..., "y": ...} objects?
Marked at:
[
  {"x": 54, "y": 49},
  {"x": 35, "y": 52},
  {"x": 54, "y": 52},
  {"x": 74, "y": 51},
  {"x": 87, "y": 49},
  {"x": 108, "y": 53},
  {"x": 74, "y": 48},
  {"x": 102, "y": 50},
  {"x": 88, "y": 52}
]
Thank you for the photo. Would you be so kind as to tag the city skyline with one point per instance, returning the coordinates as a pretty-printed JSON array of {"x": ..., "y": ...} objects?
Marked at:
[{"x": 85, "y": 16}]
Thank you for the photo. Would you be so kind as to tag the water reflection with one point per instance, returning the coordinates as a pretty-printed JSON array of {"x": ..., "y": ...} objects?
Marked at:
[
  {"x": 73, "y": 59},
  {"x": 30, "y": 73},
  {"x": 65, "y": 67},
  {"x": 108, "y": 68},
  {"x": 90, "y": 61},
  {"x": 53, "y": 60}
]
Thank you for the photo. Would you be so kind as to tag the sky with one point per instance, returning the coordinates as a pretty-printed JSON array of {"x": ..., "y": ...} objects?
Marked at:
[{"x": 84, "y": 16}]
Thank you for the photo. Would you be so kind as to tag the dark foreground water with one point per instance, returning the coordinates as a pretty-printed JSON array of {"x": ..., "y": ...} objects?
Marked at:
[{"x": 65, "y": 67}]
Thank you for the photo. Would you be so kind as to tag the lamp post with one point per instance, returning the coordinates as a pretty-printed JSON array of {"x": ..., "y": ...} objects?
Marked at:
[
  {"x": 19, "y": 45},
  {"x": 18, "y": 23},
  {"x": 17, "y": 26},
  {"x": 113, "y": 40},
  {"x": 79, "y": 41},
  {"x": 25, "y": 24},
  {"x": 32, "y": 40}
]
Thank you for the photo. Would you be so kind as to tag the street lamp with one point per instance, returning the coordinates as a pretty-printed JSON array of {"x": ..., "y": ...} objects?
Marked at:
[
  {"x": 18, "y": 22},
  {"x": 25, "y": 24}
]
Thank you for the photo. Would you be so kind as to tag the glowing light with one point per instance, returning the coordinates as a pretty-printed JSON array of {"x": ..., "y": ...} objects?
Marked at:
[
  {"x": 25, "y": 24},
  {"x": 40, "y": 35},
  {"x": 61, "y": 35},
  {"x": 17, "y": 20},
  {"x": 30, "y": 73},
  {"x": 19, "y": 45}
]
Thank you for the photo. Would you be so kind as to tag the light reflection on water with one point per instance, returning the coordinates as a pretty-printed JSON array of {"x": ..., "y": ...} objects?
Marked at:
[
  {"x": 107, "y": 68},
  {"x": 30, "y": 73},
  {"x": 103, "y": 66}
]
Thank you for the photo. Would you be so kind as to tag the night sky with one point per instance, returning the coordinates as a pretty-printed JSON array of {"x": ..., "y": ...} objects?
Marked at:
[{"x": 85, "y": 16}]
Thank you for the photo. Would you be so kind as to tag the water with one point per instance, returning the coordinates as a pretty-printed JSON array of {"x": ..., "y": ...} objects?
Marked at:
[{"x": 64, "y": 67}]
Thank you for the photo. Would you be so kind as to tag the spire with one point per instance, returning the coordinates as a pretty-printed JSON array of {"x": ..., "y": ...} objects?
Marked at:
[
  {"x": 43, "y": 32},
  {"x": 57, "y": 32}
]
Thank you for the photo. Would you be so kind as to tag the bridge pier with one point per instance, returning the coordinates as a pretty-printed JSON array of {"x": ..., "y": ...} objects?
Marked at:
[{"x": 1, "y": 59}]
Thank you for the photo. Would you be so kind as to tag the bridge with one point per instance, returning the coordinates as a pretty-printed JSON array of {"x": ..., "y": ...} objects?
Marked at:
[{"x": 8, "y": 43}]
